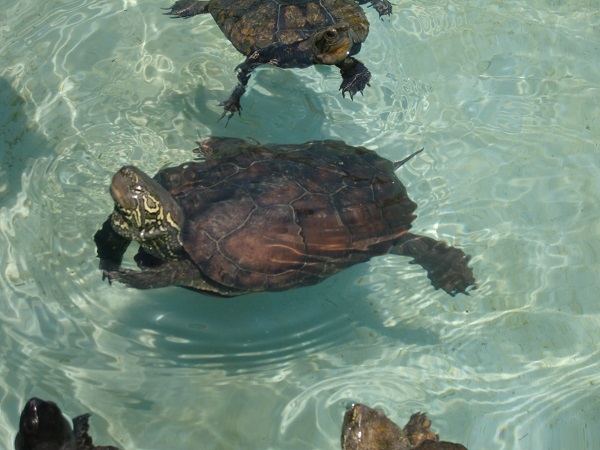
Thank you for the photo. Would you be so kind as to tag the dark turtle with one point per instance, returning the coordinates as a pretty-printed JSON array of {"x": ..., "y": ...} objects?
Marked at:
[
  {"x": 291, "y": 34},
  {"x": 43, "y": 427},
  {"x": 365, "y": 428},
  {"x": 252, "y": 218}
]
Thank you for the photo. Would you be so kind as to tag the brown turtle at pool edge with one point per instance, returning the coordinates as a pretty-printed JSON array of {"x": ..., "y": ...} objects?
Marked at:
[
  {"x": 291, "y": 34},
  {"x": 365, "y": 428},
  {"x": 42, "y": 426},
  {"x": 252, "y": 218}
]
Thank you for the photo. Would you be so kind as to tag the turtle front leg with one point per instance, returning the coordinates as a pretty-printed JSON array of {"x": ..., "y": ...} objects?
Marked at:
[
  {"x": 172, "y": 273},
  {"x": 446, "y": 266},
  {"x": 418, "y": 431},
  {"x": 81, "y": 427},
  {"x": 188, "y": 8},
  {"x": 383, "y": 7},
  {"x": 183, "y": 273},
  {"x": 110, "y": 246},
  {"x": 232, "y": 104},
  {"x": 355, "y": 76}
]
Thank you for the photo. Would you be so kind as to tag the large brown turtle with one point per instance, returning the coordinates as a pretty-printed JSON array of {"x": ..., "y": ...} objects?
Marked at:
[
  {"x": 291, "y": 34},
  {"x": 42, "y": 426},
  {"x": 251, "y": 218},
  {"x": 365, "y": 428}
]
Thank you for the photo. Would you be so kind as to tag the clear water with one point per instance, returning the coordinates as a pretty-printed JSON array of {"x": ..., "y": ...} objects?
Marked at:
[{"x": 505, "y": 98}]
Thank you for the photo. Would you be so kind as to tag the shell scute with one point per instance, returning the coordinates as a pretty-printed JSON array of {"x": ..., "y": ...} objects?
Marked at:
[{"x": 274, "y": 216}]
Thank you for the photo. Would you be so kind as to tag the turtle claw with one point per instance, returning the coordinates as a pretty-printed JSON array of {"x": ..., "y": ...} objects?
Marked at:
[
  {"x": 106, "y": 275},
  {"x": 227, "y": 113},
  {"x": 383, "y": 7},
  {"x": 450, "y": 271},
  {"x": 110, "y": 270},
  {"x": 352, "y": 92},
  {"x": 352, "y": 88},
  {"x": 232, "y": 104},
  {"x": 120, "y": 275},
  {"x": 356, "y": 78},
  {"x": 109, "y": 275}
]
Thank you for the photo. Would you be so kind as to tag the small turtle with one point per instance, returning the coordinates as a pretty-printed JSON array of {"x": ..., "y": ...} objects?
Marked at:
[
  {"x": 365, "y": 428},
  {"x": 291, "y": 34},
  {"x": 43, "y": 427},
  {"x": 251, "y": 218}
]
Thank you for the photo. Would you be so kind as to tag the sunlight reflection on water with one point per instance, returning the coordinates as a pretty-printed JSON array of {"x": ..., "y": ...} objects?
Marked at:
[{"x": 503, "y": 99}]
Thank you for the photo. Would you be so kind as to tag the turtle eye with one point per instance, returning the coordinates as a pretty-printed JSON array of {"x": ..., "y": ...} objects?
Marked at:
[{"x": 330, "y": 33}]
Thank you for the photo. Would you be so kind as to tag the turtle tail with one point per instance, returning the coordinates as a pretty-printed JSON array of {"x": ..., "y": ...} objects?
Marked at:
[{"x": 399, "y": 164}]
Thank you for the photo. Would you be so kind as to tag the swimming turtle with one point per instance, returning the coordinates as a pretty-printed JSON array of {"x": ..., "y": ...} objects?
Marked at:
[
  {"x": 291, "y": 34},
  {"x": 251, "y": 218},
  {"x": 43, "y": 427},
  {"x": 365, "y": 428}
]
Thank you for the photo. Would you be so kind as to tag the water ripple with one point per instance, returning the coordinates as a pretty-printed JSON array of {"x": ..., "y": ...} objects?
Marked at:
[{"x": 504, "y": 101}]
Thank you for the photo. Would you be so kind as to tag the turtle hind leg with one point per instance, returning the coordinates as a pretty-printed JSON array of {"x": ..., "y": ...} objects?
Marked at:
[
  {"x": 383, "y": 7},
  {"x": 355, "y": 76},
  {"x": 447, "y": 267},
  {"x": 188, "y": 8}
]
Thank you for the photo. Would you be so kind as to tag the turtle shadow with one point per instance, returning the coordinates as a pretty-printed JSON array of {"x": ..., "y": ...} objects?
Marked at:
[
  {"x": 257, "y": 332},
  {"x": 277, "y": 101},
  {"x": 20, "y": 142}
]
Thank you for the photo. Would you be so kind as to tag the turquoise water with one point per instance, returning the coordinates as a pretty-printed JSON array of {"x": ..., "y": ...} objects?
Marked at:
[{"x": 505, "y": 98}]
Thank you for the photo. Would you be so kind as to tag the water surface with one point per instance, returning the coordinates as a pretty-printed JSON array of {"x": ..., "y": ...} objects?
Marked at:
[{"x": 503, "y": 96}]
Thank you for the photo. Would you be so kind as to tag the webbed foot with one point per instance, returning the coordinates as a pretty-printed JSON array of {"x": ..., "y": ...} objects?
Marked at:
[
  {"x": 383, "y": 7},
  {"x": 447, "y": 267},
  {"x": 110, "y": 246},
  {"x": 422, "y": 438},
  {"x": 417, "y": 429},
  {"x": 145, "y": 279},
  {"x": 109, "y": 273},
  {"x": 187, "y": 8},
  {"x": 355, "y": 77},
  {"x": 232, "y": 104},
  {"x": 181, "y": 272}
]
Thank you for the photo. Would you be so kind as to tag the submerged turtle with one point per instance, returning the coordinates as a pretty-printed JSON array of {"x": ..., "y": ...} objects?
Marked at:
[
  {"x": 365, "y": 428},
  {"x": 291, "y": 34},
  {"x": 252, "y": 218},
  {"x": 43, "y": 427}
]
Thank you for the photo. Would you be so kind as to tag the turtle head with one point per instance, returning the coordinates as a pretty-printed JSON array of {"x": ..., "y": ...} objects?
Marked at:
[
  {"x": 42, "y": 425},
  {"x": 333, "y": 44},
  {"x": 364, "y": 427},
  {"x": 146, "y": 212}
]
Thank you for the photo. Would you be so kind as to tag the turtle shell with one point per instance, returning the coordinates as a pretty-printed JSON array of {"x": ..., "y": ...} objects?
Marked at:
[
  {"x": 270, "y": 217},
  {"x": 251, "y": 25}
]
